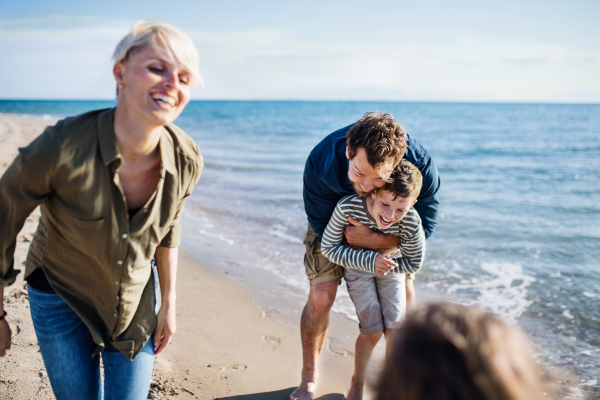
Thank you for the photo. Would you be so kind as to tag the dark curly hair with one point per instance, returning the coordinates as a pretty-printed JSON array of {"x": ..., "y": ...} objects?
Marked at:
[{"x": 406, "y": 181}]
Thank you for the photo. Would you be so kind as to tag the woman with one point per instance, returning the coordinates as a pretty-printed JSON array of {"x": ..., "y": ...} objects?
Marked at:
[
  {"x": 447, "y": 351},
  {"x": 111, "y": 185}
]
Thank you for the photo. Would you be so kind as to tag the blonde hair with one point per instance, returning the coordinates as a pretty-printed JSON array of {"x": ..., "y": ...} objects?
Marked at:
[
  {"x": 160, "y": 34},
  {"x": 447, "y": 351}
]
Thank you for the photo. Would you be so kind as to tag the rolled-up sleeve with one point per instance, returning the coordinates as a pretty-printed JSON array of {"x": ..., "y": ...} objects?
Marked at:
[
  {"x": 26, "y": 183},
  {"x": 173, "y": 237}
]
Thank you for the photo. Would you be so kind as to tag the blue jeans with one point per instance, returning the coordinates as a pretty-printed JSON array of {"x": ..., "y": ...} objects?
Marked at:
[{"x": 67, "y": 347}]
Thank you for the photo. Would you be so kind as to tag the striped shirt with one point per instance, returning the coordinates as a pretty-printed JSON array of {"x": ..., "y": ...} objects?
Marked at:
[{"x": 409, "y": 257}]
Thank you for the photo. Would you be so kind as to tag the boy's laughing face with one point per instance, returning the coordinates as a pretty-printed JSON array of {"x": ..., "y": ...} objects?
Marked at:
[{"x": 387, "y": 211}]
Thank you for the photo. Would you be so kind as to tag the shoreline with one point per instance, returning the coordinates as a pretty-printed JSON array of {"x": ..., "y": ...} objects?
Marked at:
[
  {"x": 211, "y": 259},
  {"x": 249, "y": 354}
]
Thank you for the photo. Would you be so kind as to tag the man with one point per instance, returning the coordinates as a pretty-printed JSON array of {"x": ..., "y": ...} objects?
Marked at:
[{"x": 356, "y": 159}]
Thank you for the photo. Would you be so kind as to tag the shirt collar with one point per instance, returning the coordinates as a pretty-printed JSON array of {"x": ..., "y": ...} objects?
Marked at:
[
  {"x": 106, "y": 136},
  {"x": 167, "y": 151},
  {"x": 110, "y": 152}
]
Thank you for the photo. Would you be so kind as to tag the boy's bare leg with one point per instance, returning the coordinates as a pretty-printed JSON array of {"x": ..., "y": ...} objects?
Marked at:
[
  {"x": 313, "y": 330},
  {"x": 364, "y": 348},
  {"x": 411, "y": 298}
]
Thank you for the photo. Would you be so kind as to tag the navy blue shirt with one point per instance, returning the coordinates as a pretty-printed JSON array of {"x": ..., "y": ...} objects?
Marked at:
[{"x": 326, "y": 181}]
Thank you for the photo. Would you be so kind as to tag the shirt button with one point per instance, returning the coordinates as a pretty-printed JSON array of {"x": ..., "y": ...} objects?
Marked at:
[
  {"x": 120, "y": 262},
  {"x": 117, "y": 297},
  {"x": 145, "y": 210},
  {"x": 115, "y": 315},
  {"x": 124, "y": 236},
  {"x": 116, "y": 282}
]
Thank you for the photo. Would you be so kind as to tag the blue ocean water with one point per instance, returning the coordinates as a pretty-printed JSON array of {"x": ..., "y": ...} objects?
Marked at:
[{"x": 519, "y": 229}]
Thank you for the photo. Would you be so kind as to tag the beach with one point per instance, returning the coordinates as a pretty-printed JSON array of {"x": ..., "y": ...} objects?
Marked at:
[
  {"x": 515, "y": 235},
  {"x": 225, "y": 346}
]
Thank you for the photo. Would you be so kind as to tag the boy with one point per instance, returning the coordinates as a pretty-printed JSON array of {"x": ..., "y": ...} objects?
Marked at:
[{"x": 379, "y": 296}]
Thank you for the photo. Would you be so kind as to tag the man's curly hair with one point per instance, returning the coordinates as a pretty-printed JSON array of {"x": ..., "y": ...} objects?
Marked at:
[{"x": 382, "y": 137}]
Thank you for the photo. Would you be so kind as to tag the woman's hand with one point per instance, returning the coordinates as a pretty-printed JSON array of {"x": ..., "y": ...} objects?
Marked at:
[
  {"x": 5, "y": 335},
  {"x": 166, "y": 326},
  {"x": 383, "y": 265}
]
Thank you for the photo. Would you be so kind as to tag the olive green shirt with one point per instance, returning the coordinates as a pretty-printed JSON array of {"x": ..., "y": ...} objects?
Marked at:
[{"x": 94, "y": 257}]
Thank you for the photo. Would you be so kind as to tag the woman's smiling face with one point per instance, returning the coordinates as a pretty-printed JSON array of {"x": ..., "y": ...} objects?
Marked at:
[{"x": 155, "y": 87}]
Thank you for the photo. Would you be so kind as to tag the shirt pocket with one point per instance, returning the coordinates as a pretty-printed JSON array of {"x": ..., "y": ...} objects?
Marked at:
[{"x": 86, "y": 236}]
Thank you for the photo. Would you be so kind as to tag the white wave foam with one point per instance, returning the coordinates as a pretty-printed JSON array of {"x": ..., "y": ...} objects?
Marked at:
[
  {"x": 343, "y": 304},
  {"x": 279, "y": 232},
  {"x": 588, "y": 352},
  {"x": 220, "y": 237},
  {"x": 503, "y": 290},
  {"x": 45, "y": 117}
]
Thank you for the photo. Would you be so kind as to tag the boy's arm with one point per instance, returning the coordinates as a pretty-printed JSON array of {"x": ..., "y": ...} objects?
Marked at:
[
  {"x": 413, "y": 244},
  {"x": 335, "y": 251}
]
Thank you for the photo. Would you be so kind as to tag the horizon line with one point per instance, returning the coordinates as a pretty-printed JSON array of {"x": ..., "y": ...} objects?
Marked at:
[{"x": 336, "y": 101}]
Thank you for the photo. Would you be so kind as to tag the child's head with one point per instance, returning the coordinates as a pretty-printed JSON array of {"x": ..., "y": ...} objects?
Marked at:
[
  {"x": 394, "y": 199},
  {"x": 447, "y": 351}
]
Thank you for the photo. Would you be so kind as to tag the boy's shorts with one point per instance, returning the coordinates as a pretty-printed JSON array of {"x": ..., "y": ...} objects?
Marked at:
[
  {"x": 380, "y": 301},
  {"x": 319, "y": 269}
]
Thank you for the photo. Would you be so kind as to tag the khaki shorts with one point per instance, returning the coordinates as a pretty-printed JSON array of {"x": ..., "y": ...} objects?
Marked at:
[{"x": 319, "y": 269}]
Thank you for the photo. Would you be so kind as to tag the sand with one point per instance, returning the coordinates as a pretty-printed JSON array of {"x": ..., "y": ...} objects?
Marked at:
[{"x": 225, "y": 347}]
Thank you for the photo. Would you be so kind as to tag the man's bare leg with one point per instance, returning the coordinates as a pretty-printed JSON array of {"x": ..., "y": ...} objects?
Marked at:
[
  {"x": 313, "y": 330},
  {"x": 411, "y": 298}
]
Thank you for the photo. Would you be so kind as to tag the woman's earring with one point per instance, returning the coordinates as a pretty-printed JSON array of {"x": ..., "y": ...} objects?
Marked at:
[{"x": 121, "y": 86}]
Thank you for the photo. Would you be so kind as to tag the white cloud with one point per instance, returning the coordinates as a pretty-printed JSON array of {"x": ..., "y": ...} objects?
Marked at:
[
  {"x": 53, "y": 19},
  {"x": 277, "y": 64},
  {"x": 281, "y": 66}
]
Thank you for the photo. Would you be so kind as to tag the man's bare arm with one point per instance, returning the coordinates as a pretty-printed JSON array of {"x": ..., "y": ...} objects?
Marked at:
[{"x": 361, "y": 236}]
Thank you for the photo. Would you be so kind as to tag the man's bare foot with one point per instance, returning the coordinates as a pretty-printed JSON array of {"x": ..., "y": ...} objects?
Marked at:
[
  {"x": 355, "y": 392},
  {"x": 306, "y": 391}
]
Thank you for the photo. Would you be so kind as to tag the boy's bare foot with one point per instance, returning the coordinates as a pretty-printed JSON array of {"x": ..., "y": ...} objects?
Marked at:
[
  {"x": 306, "y": 391},
  {"x": 355, "y": 392}
]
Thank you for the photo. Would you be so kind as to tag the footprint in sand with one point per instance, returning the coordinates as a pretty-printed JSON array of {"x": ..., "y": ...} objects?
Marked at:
[
  {"x": 339, "y": 351},
  {"x": 231, "y": 367},
  {"x": 272, "y": 341}
]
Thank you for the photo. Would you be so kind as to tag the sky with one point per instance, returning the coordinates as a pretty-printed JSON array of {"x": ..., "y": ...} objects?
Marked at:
[{"x": 474, "y": 51}]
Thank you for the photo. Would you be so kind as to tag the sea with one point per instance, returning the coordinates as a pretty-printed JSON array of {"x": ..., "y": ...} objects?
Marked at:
[{"x": 519, "y": 225}]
